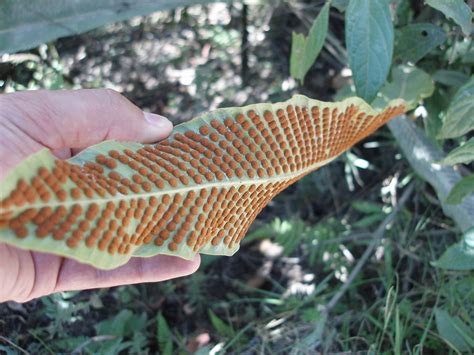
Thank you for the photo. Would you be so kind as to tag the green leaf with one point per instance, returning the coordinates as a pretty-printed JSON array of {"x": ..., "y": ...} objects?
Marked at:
[
  {"x": 404, "y": 12},
  {"x": 305, "y": 50},
  {"x": 461, "y": 155},
  {"x": 198, "y": 191},
  {"x": 459, "y": 117},
  {"x": 462, "y": 189},
  {"x": 369, "y": 220},
  {"x": 414, "y": 41},
  {"x": 164, "y": 335},
  {"x": 369, "y": 41},
  {"x": 458, "y": 10},
  {"x": 7, "y": 350},
  {"x": 410, "y": 83},
  {"x": 341, "y": 5},
  {"x": 450, "y": 77},
  {"x": 108, "y": 347},
  {"x": 125, "y": 323},
  {"x": 460, "y": 49},
  {"x": 459, "y": 256},
  {"x": 435, "y": 106},
  {"x": 468, "y": 56},
  {"x": 220, "y": 326},
  {"x": 367, "y": 207},
  {"x": 454, "y": 331},
  {"x": 25, "y": 24}
]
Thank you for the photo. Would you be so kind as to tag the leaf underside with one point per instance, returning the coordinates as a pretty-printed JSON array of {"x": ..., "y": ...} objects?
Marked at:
[{"x": 198, "y": 191}]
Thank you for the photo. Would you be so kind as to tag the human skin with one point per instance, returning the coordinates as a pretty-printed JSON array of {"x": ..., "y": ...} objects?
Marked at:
[{"x": 66, "y": 122}]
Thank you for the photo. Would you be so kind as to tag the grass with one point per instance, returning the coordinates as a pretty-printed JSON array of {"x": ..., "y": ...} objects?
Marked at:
[{"x": 330, "y": 265}]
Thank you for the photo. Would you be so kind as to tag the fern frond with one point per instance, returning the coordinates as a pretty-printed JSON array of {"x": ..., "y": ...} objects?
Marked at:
[{"x": 197, "y": 191}]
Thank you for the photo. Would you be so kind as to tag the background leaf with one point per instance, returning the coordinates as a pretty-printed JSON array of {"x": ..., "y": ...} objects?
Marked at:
[
  {"x": 341, "y": 5},
  {"x": 407, "y": 82},
  {"x": 454, "y": 331},
  {"x": 369, "y": 41},
  {"x": 25, "y": 24},
  {"x": 414, "y": 41},
  {"x": 305, "y": 50},
  {"x": 450, "y": 77},
  {"x": 219, "y": 325},
  {"x": 457, "y": 10},
  {"x": 125, "y": 323},
  {"x": 456, "y": 257},
  {"x": 461, "y": 155},
  {"x": 164, "y": 335},
  {"x": 462, "y": 189},
  {"x": 458, "y": 119},
  {"x": 367, "y": 207}
]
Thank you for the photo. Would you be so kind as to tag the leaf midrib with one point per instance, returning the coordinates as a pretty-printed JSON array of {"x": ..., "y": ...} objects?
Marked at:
[{"x": 219, "y": 184}]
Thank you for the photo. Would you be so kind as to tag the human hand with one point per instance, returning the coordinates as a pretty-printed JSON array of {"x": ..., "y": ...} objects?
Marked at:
[{"x": 65, "y": 122}]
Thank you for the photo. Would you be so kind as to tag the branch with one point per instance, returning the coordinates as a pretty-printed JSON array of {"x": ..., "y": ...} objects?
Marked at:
[{"x": 422, "y": 155}]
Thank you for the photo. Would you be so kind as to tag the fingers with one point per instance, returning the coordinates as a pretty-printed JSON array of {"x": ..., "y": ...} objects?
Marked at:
[
  {"x": 77, "y": 119},
  {"x": 60, "y": 120},
  {"x": 76, "y": 276}
]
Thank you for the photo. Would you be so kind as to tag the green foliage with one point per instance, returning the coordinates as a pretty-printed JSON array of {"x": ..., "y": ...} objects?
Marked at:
[
  {"x": 407, "y": 82},
  {"x": 461, "y": 155},
  {"x": 458, "y": 119},
  {"x": 463, "y": 188},
  {"x": 374, "y": 213},
  {"x": 456, "y": 257},
  {"x": 223, "y": 329},
  {"x": 291, "y": 235},
  {"x": 459, "y": 256},
  {"x": 369, "y": 41},
  {"x": 25, "y": 24},
  {"x": 124, "y": 324},
  {"x": 415, "y": 41},
  {"x": 7, "y": 350},
  {"x": 341, "y": 5},
  {"x": 63, "y": 310},
  {"x": 454, "y": 331},
  {"x": 457, "y": 10},
  {"x": 440, "y": 78},
  {"x": 450, "y": 77},
  {"x": 305, "y": 50},
  {"x": 164, "y": 335}
]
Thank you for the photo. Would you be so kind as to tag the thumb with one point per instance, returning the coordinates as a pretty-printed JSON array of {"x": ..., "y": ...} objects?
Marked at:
[
  {"x": 76, "y": 119},
  {"x": 32, "y": 120}
]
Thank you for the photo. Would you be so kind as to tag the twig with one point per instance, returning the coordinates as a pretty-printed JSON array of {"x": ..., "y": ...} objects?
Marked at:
[
  {"x": 9, "y": 342},
  {"x": 378, "y": 234}
]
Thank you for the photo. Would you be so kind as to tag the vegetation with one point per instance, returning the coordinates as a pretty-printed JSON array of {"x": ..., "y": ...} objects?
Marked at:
[{"x": 357, "y": 256}]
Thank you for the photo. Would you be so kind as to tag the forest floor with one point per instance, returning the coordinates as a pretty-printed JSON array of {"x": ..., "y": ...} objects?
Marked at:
[{"x": 283, "y": 292}]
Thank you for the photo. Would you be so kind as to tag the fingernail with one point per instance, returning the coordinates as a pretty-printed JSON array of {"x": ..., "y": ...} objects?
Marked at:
[{"x": 157, "y": 120}]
